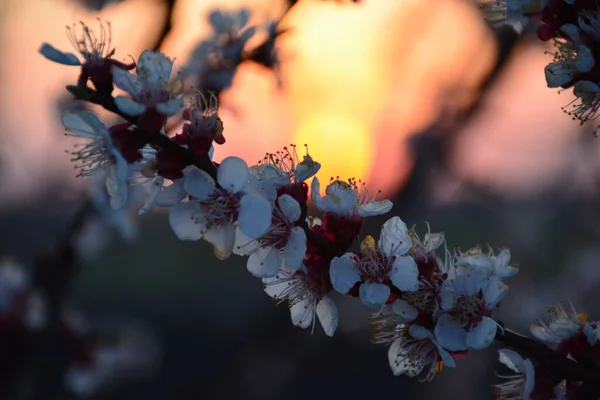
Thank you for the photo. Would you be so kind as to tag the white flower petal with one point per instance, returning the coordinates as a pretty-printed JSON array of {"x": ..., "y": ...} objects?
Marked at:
[
  {"x": 405, "y": 274},
  {"x": 374, "y": 294},
  {"x": 170, "y": 107},
  {"x": 264, "y": 263},
  {"x": 558, "y": 74},
  {"x": 394, "y": 238},
  {"x": 447, "y": 298},
  {"x": 420, "y": 332},
  {"x": 303, "y": 312},
  {"x": 199, "y": 184},
  {"x": 274, "y": 287},
  {"x": 233, "y": 174},
  {"x": 171, "y": 195},
  {"x": 116, "y": 181},
  {"x": 222, "y": 238},
  {"x": 295, "y": 249},
  {"x": 433, "y": 240},
  {"x": 315, "y": 193},
  {"x": 154, "y": 67},
  {"x": 587, "y": 91},
  {"x": 344, "y": 273},
  {"x": 476, "y": 261},
  {"x": 271, "y": 174},
  {"x": 127, "y": 81},
  {"x": 542, "y": 334},
  {"x": 406, "y": 311},
  {"x": 445, "y": 356},
  {"x": 58, "y": 56},
  {"x": 529, "y": 371},
  {"x": 483, "y": 334},
  {"x": 289, "y": 207},
  {"x": 502, "y": 267},
  {"x": 128, "y": 106},
  {"x": 584, "y": 62},
  {"x": 85, "y": 124},
  {"x": 571, "y": 31},
  {"x": 243, "y": 245},
  {"x": 155, "y": 190},
  {"x": 399, "y": 363},
  {"x": 261, "y": 188},
  {"x": 449, "y": 334},
  {"x": 511, "y": 359},
  {"x": 495, "y": 292},
  {"x": 373, "y": 208},
  {"x": 306, "y": 169},
  {"x": 340, "y": 197},
  {"x": 187, "y": 220},
  {"x": 255, "y": 213},
  {"x": 328, "y": 315}
]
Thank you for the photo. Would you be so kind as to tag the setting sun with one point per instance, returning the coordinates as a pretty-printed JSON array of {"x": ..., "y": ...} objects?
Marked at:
[{"x": 340, "y": 141}]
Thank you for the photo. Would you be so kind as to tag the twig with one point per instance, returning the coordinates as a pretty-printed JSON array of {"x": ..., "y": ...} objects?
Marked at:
[
  {"x": 561, "y": 365},
  {"x": 54, "y": 271}
]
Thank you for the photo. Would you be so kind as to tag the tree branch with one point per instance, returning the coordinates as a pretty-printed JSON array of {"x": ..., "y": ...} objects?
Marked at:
[
  {"x": 561, "y": 365},
  {"x": 156, "y": 138}
]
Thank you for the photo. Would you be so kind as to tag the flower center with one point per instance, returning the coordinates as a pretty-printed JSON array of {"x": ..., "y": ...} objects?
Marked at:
[
  {"x": 221, "y": 208},
  {"x": 154, "y": 95},
  {"x": 278, "y": 233},
  {"x": 373, "y": 265},
  {"x": 469, "y": 310}
]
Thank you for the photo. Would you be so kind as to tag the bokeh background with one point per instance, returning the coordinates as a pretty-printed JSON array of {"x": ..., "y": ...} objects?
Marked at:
[{"x": 419, "y": 98}]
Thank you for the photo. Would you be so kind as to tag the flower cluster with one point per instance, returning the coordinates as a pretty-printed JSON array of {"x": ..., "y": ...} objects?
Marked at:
[
  {"x": 434, "y": 309},
  {"x": 215, "y": 60},
  {"x": 574, "y": 28},
  {"x": 570, "y": 334},
  {"x": 432, "y": 305}
]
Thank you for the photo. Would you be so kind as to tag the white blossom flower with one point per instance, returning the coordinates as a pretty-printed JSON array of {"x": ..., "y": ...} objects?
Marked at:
[
  {"x": 374, "y": 266},
  {"x": 92, "y": 48},
  {"x": 412, "y": 349},
  {"x": 429, "y": 243},
  {"x": 473, "y": 292},
  {"x": 563, "y": 326},
  {"x": 284, "y": 244},
  {"x": 213, "y": 212},
  {"x": 517, "y": 386},
  {"x": 586, "y": 104},
  {"x": 100, "y": 153},
  {"x": 487, "y": 264},
  {"x": 571, "y": 58},
  {"x": 159, "y": 194},
  {"x": 345, "y": 199},
  {"x": 150, "y": 88},
  {"x": 306, "y": 298},
  {"x": 276, "y": 166}
]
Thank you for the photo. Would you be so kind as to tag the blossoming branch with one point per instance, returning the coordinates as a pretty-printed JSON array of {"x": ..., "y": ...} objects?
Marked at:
[{"x": 431, "y": 306}]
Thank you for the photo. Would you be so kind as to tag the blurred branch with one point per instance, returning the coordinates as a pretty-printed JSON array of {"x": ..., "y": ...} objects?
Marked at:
[{"x": 54, "y": 270}]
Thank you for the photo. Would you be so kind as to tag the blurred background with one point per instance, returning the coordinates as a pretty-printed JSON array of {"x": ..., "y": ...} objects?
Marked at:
[{"x": 420, "y": 98}]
